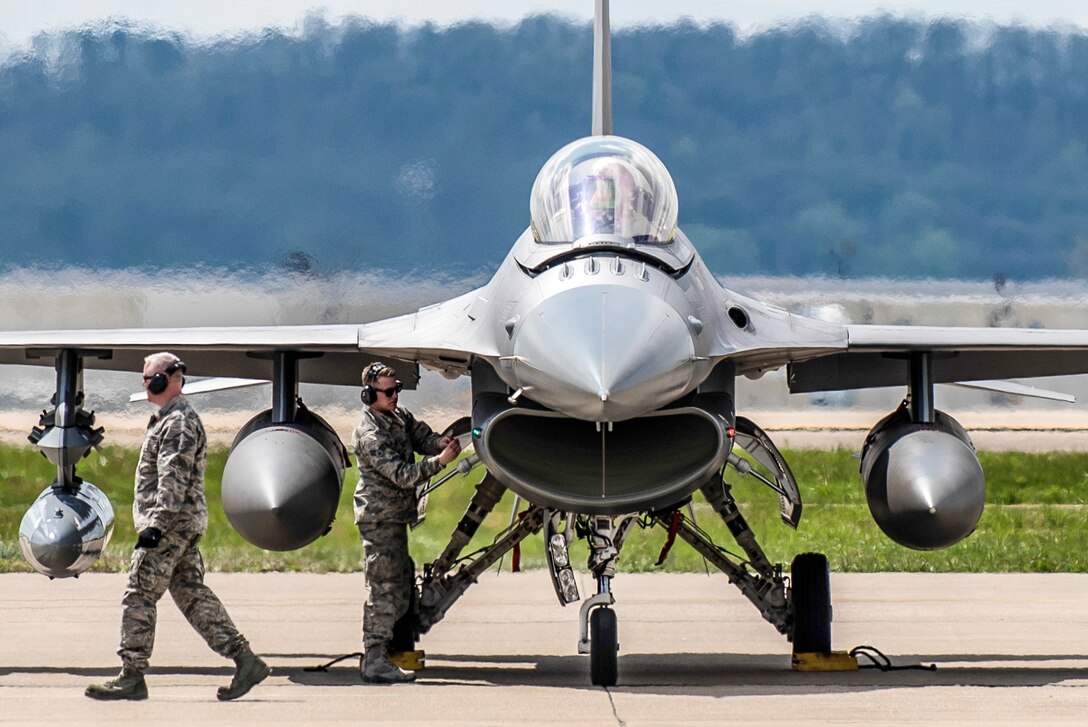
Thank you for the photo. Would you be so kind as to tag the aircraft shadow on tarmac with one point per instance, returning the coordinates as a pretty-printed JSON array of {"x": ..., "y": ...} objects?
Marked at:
[
  {"x": 709, "y": 673},
  {"x": 697, "y": 674}
]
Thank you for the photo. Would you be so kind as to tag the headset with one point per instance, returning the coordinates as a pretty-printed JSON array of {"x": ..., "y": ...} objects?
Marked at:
[
  {"x": 369, "y": 395},
  {"x": 158, "y": 383}
]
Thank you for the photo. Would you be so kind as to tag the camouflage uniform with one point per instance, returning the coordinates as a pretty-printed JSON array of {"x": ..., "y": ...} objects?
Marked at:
[
  {"x": 170, "y": 497},
  {"x": 385, "y": 503}
]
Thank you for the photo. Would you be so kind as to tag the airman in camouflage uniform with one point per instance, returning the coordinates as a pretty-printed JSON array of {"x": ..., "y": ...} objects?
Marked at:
[
  {"x": 171, "y": 514},
  {"x": 385, "y": 443}
]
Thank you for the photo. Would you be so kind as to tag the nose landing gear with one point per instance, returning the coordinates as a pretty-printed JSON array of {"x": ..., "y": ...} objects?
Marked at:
[{"x": 600, "y": 634}]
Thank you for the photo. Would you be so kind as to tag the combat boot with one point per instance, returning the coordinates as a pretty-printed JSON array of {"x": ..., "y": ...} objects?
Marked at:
[
  {"x": 251, "y": 671},
  {"x": 127, "y": 685},
  {"x": 377, "y": 669}
]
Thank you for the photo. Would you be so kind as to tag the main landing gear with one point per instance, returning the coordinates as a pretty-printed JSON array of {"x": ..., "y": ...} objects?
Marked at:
[{"x": 799, "y": 605}]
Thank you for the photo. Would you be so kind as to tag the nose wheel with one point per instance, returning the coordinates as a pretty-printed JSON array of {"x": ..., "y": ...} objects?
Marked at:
[
  {"x": 604, "y": 647},
  {"x": 597, "y": 619}
]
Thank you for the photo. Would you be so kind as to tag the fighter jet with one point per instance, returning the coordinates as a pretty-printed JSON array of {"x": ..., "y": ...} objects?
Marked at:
[{"x": 603, "y": 356}]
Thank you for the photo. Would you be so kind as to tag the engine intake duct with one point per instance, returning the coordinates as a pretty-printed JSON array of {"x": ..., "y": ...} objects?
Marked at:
[
  {"x": 629, "y": 466},
  {"x": 923, "y": 481}
]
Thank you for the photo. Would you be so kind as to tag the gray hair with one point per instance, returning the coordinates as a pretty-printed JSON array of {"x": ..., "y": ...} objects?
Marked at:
[{"x": 161, "y": 360}]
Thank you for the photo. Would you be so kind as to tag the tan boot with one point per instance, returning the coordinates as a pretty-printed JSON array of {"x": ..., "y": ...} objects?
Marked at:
[
  {"x": 126, "y": 685},
  {"x": 377, "y": 669},
  {"x": 251, "y": 671}
]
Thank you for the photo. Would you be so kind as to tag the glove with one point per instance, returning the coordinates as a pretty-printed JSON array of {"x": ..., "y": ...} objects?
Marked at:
[{"x": 149, "y": 538}]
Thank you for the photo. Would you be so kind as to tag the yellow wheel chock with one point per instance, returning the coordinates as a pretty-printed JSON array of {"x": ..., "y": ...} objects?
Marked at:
[
  {"x": 408, "y": 660},
  {"x": 818, "y": 661}
]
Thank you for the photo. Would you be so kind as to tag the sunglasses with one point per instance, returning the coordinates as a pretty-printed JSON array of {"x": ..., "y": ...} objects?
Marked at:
[{"x": 391, "y": 390}]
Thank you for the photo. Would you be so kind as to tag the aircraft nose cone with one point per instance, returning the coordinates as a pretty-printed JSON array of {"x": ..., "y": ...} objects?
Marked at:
[{"x": 604, "y": 353}]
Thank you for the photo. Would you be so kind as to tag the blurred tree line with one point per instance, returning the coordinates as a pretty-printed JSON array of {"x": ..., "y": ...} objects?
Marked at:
[{"x": 899, "y": 148}]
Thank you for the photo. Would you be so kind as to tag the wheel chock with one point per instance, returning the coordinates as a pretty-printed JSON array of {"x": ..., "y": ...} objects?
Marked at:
[
  {"x": 818, "y": 661},
  {"x": 408, "y": 660}
]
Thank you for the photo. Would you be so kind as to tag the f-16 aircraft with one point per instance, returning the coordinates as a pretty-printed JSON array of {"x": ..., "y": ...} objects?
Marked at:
[{"x": 603, "y": 356}]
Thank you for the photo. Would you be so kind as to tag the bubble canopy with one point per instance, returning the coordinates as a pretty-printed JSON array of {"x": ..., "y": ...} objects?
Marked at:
[{"x": 603, "y": 185}]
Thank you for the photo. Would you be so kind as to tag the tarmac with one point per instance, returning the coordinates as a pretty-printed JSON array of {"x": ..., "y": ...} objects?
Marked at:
[{"x": 1009, "y": 649}]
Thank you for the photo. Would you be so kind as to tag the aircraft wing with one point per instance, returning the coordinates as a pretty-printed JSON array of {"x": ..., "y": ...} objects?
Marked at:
[
  {"x": 435, "y": 336},
  {"x": 443, "y": 337},
  {"x": 879, "y": 355}
]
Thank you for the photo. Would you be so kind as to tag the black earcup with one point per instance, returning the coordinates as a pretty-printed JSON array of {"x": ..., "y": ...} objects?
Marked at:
[
  {"x": 368, "y": 395},
  {"x": 158, "y": 383}
]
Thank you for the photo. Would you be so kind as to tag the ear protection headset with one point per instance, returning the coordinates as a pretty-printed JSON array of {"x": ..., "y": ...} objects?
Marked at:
[
  {"x": 158, "y": 383},
  {"x": 368, "y": 394}
]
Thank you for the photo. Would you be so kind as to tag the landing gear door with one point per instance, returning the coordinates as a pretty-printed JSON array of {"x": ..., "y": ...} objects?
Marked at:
[{"x": 755, "y": 442}]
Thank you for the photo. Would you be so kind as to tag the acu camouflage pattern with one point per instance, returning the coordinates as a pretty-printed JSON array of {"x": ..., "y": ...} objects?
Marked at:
[
  {"x": 390, "y": 576},
  {"x": 174, "y": 565},
  {"x": 170, "y": 497},
  {"x": 170, "y": 475},
  {"x": 385, "y": 502},
  {"x": 385, "y": 445}
]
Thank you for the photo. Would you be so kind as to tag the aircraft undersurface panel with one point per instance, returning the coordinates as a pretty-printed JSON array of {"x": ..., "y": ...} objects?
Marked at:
[
  {"x": 241, "y": 351},
  {"x": 880, "y": 356}
]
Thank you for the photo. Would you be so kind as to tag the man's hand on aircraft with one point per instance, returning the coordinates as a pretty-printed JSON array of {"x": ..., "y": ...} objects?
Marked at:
[{"x": 452, "y": 449}]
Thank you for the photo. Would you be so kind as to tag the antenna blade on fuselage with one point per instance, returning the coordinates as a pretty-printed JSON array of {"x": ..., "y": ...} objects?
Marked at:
[{"x": 602, "y": 71}]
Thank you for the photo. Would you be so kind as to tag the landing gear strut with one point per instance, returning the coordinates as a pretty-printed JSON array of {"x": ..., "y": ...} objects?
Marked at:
[
  {"x": 801, "y": 611},
  {"x": 599, "y": 632},
  {"x": 441, "y": 587},
  {"x": 798, "y": 606}
]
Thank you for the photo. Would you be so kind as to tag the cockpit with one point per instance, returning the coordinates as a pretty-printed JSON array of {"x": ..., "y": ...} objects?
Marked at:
[{"x": 603, "y": 185}]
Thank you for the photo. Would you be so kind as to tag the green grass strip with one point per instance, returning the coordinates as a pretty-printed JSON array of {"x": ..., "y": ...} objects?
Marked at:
[{"x": 1037, "y": 505}]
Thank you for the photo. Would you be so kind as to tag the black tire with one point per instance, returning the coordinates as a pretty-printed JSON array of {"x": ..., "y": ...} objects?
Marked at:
[
  {"x": 406, "y": 629},
  {"x": 810, "y": 594},
  {"x": 603, "y": 647}
]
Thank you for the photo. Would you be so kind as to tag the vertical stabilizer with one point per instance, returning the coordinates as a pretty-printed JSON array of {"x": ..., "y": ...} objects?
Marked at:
[{"x": 602, "y": 71}]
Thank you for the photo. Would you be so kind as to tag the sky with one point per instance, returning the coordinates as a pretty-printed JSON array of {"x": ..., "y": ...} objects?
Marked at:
[{"x": 21, "y": 20}]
